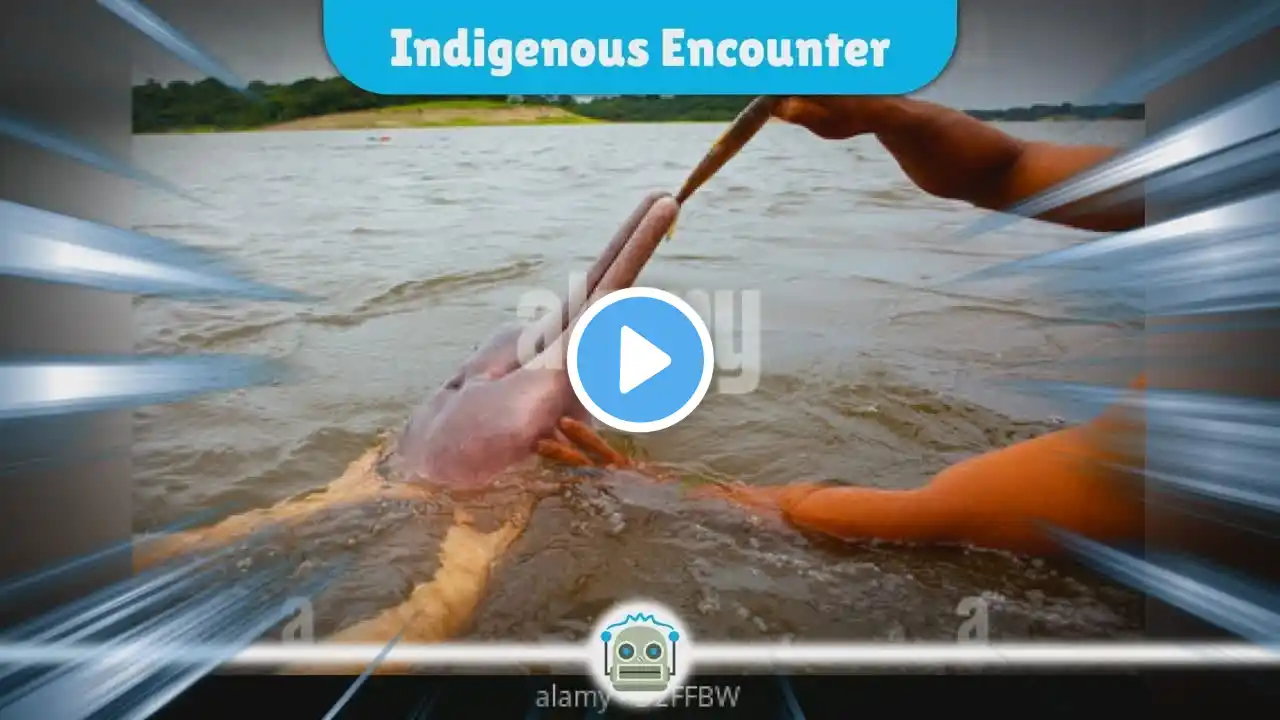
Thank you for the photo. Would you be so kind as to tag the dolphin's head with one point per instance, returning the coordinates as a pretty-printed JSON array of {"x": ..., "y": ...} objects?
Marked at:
[{"x": 514, "y": 389}]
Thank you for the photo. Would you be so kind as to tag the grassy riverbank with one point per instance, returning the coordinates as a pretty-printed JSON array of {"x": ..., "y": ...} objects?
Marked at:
[{"x": 443, "y": 113}]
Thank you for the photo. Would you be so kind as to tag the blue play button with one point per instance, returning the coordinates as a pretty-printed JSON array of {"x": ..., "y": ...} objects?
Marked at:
[{"x": 640, "y": 360}]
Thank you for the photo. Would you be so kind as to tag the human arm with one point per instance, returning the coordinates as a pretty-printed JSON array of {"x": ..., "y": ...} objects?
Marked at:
[{"x": 952, "y": 155}]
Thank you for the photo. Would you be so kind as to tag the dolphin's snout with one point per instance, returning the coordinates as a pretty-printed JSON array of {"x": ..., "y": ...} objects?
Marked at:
[
  {"x": 501, "y": 404},
  {"x": 618, "y": 267},
  {"x": 640, "y": 247}
]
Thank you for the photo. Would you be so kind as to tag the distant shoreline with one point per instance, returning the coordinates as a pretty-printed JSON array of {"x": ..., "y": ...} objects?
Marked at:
[
  {"x": 335, "y": 104},
  {"x": 443, "y": 114},
  {"x": 295, "y": 126},
  {"x": 446, "y": 114}
]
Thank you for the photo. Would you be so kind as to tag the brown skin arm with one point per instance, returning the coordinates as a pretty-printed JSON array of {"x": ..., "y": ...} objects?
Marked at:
[
  {"x": 1070, "y": 479},
  {"x": 995, "y": 500},
  {"x": 951, "y": 155}
]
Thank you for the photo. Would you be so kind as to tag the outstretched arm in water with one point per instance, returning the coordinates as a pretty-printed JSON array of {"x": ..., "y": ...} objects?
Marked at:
[
  {"x": 953, "y": 155},
  {"x": 361, "y": 484},
  {"x": 1079, "y": 479}
]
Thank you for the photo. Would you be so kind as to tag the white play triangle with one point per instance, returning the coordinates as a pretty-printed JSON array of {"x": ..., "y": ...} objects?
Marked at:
[{"x": 640, "y": 360}]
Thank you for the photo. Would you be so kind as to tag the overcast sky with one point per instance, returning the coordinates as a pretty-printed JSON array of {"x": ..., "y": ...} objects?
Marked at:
[{"x": 1011, "y": 52}]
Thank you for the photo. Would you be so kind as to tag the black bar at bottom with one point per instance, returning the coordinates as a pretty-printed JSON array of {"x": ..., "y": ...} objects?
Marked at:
[{"x": 807, "y": 697}]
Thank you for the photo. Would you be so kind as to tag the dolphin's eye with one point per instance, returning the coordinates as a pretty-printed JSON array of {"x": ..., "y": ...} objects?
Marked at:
[{"x": 454, "y": 384}]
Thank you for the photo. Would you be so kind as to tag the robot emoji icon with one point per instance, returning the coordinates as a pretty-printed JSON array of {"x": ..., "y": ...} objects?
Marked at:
[{"x": 637, "y": 659}]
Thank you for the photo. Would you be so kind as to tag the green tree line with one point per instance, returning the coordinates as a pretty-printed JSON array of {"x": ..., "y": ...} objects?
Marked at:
[
  {"x": 1065, "y": 111},
  {"x": 208, "y": 104}
]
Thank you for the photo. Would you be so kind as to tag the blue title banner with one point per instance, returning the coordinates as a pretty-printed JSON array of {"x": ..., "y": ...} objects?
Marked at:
[{"x": 694, "y": 47}]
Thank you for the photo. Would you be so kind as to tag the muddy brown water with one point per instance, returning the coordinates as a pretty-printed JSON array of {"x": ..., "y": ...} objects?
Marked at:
[{"x": 874, "y": 369}]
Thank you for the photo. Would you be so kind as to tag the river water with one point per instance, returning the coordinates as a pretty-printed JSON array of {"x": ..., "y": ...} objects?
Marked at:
[{"x": 875, "y": 368}]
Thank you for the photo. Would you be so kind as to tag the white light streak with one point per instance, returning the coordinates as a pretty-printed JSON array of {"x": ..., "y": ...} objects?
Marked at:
[{"x": 748, "y": 656}]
